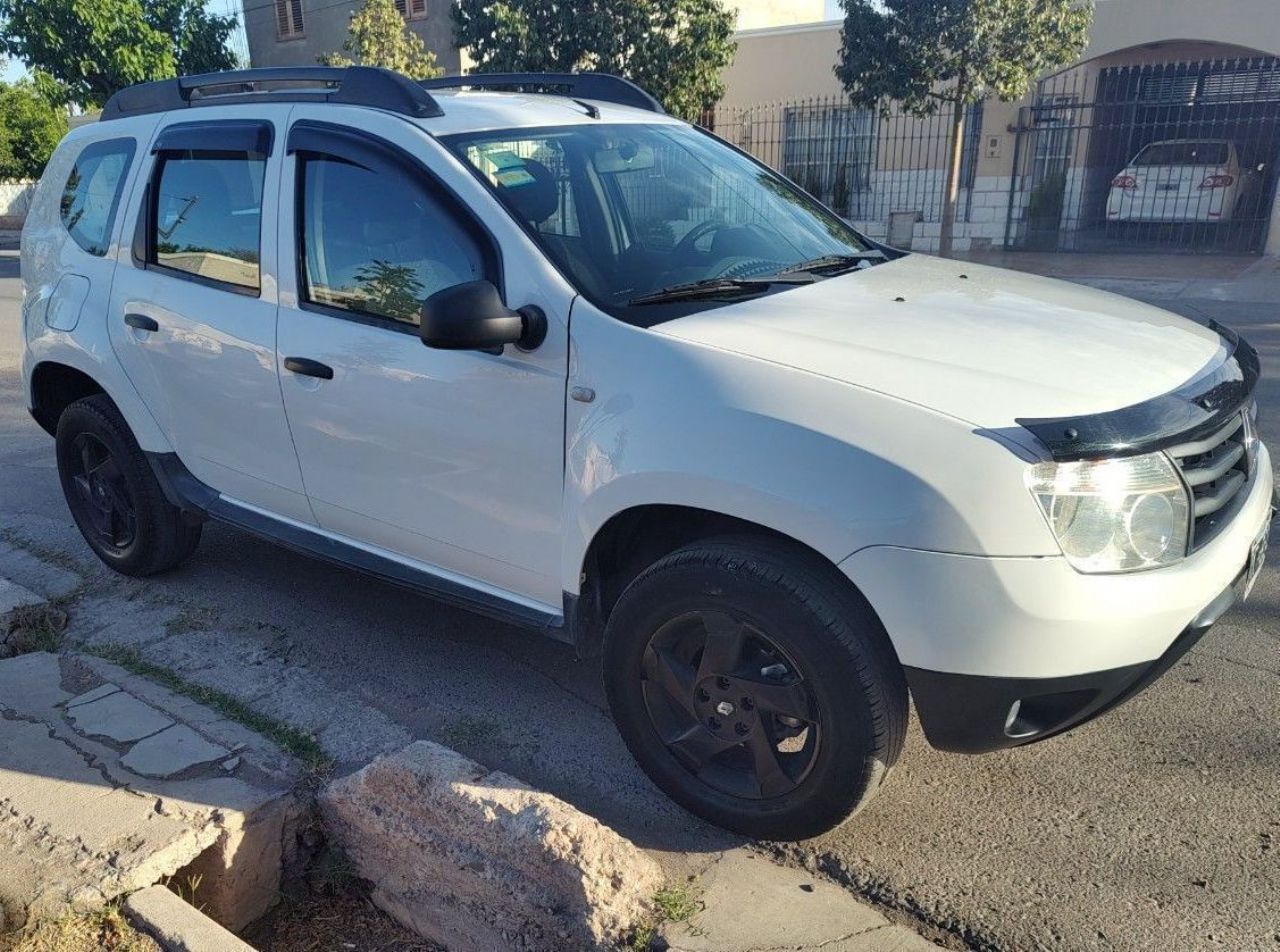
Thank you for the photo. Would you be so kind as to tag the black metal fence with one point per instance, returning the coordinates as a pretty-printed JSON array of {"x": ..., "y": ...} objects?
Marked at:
[
  {"x": 1153, "y": 157},
  {"x": 1175, "y": 156},
  {"x": 865, "y": 164}
]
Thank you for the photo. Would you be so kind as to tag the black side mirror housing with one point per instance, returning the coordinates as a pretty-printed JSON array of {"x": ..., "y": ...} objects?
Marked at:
[{"x": 472, "y": 316}]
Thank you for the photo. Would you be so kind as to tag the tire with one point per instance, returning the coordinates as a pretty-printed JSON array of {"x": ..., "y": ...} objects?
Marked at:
[
  {"x": 114, "y": 497},
  {"x": 805, "y": 642}
]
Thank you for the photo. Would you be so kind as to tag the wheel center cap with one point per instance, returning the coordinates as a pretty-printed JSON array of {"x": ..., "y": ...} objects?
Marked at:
[{"x": 724, "y": 708}]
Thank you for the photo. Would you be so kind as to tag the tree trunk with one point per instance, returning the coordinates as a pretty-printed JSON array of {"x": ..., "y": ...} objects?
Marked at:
[{"x": 954, "y": 156}]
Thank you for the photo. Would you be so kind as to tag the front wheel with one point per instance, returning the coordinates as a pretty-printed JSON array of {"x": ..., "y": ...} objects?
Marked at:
[{"x": 755, "y": 687}]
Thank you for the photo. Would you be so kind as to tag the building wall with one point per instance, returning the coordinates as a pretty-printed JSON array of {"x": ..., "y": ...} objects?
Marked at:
[
  {"x": 796, "y": 63},
  {"x": 326, "y": 22},
  {"x": 755, "y": 14},
  {"x": 325, "y": 30}
]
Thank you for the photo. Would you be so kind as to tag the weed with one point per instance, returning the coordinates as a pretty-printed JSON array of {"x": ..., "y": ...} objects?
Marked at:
[
  {"x": 105, "y": 929},
  {"x": 332, "y": 873},
  {"x": 677, "y": 902},
  {"x": 299, "y": 743},
  {"x": 34, "y": 628},
  {"x": 190, "y": 620},
  {"x": 42, "y": 552},
  {"x": 642, "y": 938},
  {"x": 186, "y": 889},
  {"x": 469, "y": 731}
]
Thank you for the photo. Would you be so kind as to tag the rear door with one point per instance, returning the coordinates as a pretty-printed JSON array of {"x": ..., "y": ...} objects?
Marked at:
[
  {"x": 193, "y": 308},
  {"x": 453, "y": 459}
]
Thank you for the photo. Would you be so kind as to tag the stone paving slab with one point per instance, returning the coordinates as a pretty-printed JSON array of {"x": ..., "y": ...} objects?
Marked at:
[
  {"x": 15, "y": 596},
  {"x": 751, "y": 904},
  {"x": 96, "y": 694},
  {"x": 118, "y": 716},
  {"x": 174, "y": 750},
  {"x": 108, "y": 785},
  {"x": 25, "y": 570}
]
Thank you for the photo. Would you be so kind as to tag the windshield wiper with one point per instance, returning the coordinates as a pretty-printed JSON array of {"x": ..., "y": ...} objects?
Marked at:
[
  {"x": 716, "y": 287},
  {"x": 834, "y": 264}
]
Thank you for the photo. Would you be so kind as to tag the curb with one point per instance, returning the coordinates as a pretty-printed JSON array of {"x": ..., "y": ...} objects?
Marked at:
[{"x": 177, "y": 926}]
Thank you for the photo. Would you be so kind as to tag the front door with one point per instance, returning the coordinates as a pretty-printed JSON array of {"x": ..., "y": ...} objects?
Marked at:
[
  {"x": 450, "y": 459},
  {"x": 193, "y": 307}
]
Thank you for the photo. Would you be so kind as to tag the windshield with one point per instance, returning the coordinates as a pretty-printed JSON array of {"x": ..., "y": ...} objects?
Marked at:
[
  {"x": 1183, "y": 153},
  {"x": 630, "y": 211}
]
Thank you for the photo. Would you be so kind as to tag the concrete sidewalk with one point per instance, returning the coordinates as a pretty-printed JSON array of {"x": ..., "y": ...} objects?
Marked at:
[{"x": 109, "y": 784}]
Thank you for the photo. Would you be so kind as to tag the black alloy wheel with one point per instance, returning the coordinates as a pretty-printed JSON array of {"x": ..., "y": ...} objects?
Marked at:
[
  {"x": 100, "y": 494},
  {"x": 730, "y": 705},
  {"x": 114, "y": 496},
  {"x": 755, "y": 686}
]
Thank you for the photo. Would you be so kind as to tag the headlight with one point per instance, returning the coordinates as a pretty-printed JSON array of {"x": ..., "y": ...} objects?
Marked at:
[{"x": 1115, "y": 515}]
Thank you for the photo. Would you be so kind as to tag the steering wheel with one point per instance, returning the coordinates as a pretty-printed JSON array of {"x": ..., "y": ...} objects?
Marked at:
[{"x": 698, "y": 231}]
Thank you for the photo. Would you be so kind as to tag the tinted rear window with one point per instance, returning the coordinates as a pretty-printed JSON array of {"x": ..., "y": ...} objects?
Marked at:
[{"x": 91, "y": 194}]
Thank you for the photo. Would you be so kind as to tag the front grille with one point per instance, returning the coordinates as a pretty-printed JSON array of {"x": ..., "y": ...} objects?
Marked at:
[{"x": 1216, "y": 469}]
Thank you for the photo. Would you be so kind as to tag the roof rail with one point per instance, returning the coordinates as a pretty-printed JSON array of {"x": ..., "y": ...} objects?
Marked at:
[
  {"x": 604, "y": 87},
  {"x": 352, "y": 85}
]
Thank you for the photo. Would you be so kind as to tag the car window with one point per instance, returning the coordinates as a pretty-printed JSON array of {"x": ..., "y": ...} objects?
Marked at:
[
  {"x": 379, "y": 243},
  {"x": 628, "y": 209},
  {"x": 1183, "y": 153},
  {"x": 207, "y": 215},
  {"x": 91, "y": 194}
]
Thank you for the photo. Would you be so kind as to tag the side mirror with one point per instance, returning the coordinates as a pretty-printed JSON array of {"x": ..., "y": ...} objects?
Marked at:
[{"x": 472, "y": 316}]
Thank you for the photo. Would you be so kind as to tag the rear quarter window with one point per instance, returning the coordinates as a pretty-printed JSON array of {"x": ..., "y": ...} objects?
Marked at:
[{"x": 91, "y": 194}]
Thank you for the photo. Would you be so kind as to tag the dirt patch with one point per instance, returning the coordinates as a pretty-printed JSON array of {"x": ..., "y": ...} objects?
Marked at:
[
  {"x": 320, "y": 923},
  {"x": 105, "y": 929}
]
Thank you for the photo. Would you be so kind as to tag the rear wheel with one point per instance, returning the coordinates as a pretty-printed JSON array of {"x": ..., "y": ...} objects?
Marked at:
[
  {"x": 755, "y": 687},
  {"x": 114, "y": 497}
]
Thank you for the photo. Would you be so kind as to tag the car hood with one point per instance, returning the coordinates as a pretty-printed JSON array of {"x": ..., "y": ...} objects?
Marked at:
[{"x": 982, "y": 344}]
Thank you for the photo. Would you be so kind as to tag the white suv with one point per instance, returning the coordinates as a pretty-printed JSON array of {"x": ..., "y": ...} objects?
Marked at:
[{"x": 573, "y": 363}]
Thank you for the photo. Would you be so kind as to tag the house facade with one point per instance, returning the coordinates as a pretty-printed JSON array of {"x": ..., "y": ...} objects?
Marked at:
[
  {"x": 297, "y": 32},
  {"x": 1041, "y": 172}
]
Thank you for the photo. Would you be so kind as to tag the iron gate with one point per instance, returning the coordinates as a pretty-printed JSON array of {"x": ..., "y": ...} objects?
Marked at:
[{"x": 1153, "y": 157}]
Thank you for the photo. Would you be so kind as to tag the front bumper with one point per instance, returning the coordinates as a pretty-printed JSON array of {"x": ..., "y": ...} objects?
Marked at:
[
  {"x": 977, "y": 634},
  {"x": 972, "y": 714}
]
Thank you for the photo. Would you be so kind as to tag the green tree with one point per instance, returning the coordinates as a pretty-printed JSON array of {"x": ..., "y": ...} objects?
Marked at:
[
  {"x": 676, "y": 49},
  {"x": 31, "y": 126},
  {"x": 929, "y": 54},
  {"x": 96, "y": 47},
  {"x": 378, "y": 36},
  {"x": 200, "y": 38}
]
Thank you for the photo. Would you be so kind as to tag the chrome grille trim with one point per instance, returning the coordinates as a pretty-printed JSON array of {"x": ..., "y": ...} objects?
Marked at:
[{"x": 1215, "y": 469}]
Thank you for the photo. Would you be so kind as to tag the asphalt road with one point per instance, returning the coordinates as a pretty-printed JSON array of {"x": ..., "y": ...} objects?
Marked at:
[{"x": 1157, "y": 827}]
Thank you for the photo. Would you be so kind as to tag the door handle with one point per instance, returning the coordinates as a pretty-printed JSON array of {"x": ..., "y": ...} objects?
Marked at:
[
  {"x": 141, "y": 322},
  {"x": 308, "y": 367}
]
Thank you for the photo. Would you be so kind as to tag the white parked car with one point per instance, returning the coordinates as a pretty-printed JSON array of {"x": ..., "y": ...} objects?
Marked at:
[
  {"x": 578, "y": 365},
  {"x": 1184, "y": 180}
]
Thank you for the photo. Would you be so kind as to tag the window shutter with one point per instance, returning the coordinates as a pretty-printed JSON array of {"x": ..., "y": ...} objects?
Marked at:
[
  {"x": 282, "y": 17},
  {"x": 418, "y": 7},
  {"x": 297, "y": 15},
  {"x": 400, "y": 6}
]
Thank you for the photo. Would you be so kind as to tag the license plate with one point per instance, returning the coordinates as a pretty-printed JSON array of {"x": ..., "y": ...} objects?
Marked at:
[{"x": 1257, "y": 555}]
